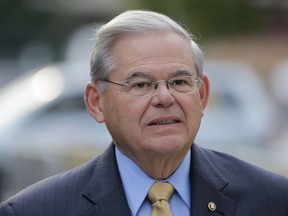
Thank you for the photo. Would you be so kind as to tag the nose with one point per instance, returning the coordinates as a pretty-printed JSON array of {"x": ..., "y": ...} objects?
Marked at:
[
  {"x": 161, "y": 82},
  {"x": 162, "y": 96}
]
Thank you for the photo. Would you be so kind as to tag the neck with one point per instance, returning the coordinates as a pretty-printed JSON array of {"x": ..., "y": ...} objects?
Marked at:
[{"x": 160, "y": 167}]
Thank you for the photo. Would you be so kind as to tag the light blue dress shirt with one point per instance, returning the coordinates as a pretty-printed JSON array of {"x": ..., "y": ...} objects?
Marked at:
[{"x": 137, "y": 184}]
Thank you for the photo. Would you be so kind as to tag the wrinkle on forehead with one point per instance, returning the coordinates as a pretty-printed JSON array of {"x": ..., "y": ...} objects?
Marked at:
[
  {"x": 140, "y": 74},
  {"x": 154, "y": 52}
]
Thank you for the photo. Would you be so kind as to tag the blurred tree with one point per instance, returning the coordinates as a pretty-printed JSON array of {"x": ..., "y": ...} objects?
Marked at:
[
  {"x": 209, "y": 18},
  {"x": 19, "y": 23},
  {"x": 22, "y": 23}
]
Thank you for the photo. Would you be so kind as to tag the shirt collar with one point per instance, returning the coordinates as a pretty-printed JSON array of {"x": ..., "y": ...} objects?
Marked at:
[{"x": 132, "y": 176}]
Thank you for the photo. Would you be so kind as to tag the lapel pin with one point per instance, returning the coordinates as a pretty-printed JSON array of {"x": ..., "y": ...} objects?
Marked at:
[{"x": 212, "y": 206}]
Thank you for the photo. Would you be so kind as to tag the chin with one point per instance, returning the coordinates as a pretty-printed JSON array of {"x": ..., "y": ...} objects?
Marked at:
[{"x": 169, "y": 146}]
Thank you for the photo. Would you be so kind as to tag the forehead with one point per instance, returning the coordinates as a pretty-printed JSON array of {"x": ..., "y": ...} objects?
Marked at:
[{"x": 154, "y": 52}]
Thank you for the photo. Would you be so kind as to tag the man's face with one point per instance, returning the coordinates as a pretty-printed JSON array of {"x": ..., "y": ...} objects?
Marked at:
[{"x": 164, "y": 123}]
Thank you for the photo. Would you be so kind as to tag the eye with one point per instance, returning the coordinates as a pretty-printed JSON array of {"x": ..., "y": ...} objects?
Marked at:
[
  {"x": 140, "y": 84},
  {"x": 179, "y": 81}
]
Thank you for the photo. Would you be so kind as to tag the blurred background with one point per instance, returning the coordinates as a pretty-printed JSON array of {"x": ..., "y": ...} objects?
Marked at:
[{"x": 44, "y": 66}]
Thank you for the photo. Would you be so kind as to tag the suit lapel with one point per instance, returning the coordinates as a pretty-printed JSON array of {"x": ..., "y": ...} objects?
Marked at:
[
  {"x": 105, "y": 190},
  {"x": 207, "y": 184}
]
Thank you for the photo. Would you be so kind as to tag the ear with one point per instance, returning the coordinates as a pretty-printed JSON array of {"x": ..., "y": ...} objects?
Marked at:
[
  {"x": 204, "y": 91},
  {"x": 93, "y": 102}
]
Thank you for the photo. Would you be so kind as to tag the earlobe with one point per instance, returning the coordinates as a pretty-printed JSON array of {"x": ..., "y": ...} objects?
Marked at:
[
  {"x": 204, "y": 91},
  {"x": 93, "y": 102}
]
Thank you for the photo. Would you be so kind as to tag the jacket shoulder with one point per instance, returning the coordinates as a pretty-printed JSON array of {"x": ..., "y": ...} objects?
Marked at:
[
  {"x": 241, "y": 172},
  {"x": 254, "y": 189}
]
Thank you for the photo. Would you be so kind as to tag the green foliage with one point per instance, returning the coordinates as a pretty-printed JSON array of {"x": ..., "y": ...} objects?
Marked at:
[{"x": 208, "y": 17}]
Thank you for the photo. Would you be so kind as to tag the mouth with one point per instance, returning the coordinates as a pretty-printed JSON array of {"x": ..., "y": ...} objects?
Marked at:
[{"x": 164, "y": 122}]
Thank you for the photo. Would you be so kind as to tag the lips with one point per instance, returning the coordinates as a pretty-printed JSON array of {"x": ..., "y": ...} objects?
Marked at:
[{"x": 159, "y": 122}]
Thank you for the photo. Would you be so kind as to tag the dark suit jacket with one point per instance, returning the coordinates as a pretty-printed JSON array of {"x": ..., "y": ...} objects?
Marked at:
[{"x": 95, "y": 189}]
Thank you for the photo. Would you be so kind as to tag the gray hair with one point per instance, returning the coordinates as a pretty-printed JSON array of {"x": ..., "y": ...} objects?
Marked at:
[{"x": 133, "y": 22}]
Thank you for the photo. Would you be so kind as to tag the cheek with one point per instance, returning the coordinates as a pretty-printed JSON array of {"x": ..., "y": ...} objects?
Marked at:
[
  {"x": 193, "y": 111},
  {"x": 191, "y": 103},
  {"x": 122, "y": 110},
  {"x": 123, "y": 123}
]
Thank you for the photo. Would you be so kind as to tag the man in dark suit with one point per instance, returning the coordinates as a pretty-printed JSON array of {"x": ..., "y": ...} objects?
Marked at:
[{"x": 148, "y": 87}]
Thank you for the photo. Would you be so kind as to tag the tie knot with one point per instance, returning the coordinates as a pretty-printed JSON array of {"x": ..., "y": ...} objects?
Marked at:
[{"x": 160, "y": 191}]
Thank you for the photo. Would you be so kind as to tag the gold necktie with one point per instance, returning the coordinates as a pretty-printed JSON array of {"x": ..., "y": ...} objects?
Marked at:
[{"x": 159, "y": 194}]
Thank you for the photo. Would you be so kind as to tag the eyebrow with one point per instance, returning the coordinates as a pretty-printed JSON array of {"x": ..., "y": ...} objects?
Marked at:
[
  {"x": 182, "y": 73},
  {"x": 138, "y": 74},
  {"x": 145, "y": 75}
]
